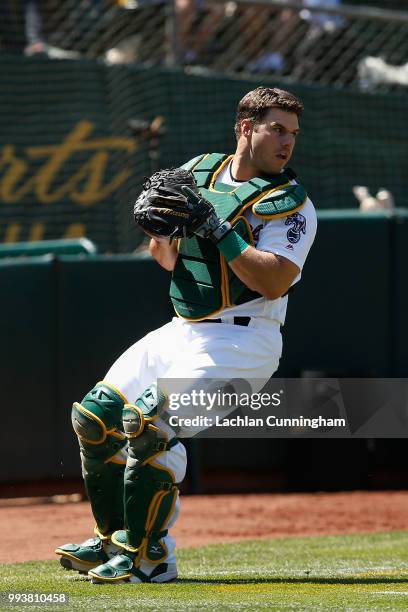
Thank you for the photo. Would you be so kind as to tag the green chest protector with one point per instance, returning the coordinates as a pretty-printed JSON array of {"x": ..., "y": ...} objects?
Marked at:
[{"x": 203, "y": 284}]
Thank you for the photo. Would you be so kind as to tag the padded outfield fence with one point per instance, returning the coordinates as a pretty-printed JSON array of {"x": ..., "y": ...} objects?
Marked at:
[{"x": 352, "y": 327}]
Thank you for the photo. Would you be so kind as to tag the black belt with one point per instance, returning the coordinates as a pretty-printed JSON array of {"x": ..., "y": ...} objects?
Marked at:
[{"x": 244, "y": 321}]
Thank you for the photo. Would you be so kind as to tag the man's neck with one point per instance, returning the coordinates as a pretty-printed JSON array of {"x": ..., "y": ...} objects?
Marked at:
[{"x": 241, "y": 168}]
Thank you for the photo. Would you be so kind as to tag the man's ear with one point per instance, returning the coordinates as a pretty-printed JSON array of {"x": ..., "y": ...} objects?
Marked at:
[{"x": 246, "y": 127}]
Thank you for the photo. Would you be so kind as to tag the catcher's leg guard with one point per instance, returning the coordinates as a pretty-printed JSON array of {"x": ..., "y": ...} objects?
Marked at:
[
  {"x": 97, "y": 421},
  {"x": 150, "y": 497}
]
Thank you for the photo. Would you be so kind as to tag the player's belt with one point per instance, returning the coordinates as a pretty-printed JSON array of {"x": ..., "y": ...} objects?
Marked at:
[{"x": 244, "y": 321}]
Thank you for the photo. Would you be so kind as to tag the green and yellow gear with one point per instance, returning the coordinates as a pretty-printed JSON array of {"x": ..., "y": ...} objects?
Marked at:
[
  {"x": 202, "y": 283},
  {"x": 97, "y": 421},
  {"x": 150, "y": 491}
]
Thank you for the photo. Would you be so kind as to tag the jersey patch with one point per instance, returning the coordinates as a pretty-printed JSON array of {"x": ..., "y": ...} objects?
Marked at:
[{"x": 298, "y": 222}]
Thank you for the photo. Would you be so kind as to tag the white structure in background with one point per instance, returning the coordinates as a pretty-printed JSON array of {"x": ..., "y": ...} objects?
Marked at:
[
  {"x": 374, "y": 71},
  {"x": 125, "y": 52},
  {"x": 382, "y": 201}
]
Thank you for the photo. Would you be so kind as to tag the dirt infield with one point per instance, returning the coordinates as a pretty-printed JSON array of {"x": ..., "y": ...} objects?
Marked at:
[{"x": 31, "y": 529}]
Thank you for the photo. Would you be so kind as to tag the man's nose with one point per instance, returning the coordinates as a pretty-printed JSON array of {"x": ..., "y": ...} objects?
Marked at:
[{"x": 288, "y": 140}]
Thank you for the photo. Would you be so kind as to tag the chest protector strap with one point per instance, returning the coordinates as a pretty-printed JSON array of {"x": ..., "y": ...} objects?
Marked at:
[{"x": 203, "y": 284}]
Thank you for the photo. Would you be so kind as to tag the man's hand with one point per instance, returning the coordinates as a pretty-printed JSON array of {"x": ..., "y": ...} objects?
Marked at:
[{"x": 207, "y": 223}]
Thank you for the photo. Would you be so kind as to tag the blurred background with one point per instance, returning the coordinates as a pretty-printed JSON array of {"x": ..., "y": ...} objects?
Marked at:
[{"x": 96, "y": 95}]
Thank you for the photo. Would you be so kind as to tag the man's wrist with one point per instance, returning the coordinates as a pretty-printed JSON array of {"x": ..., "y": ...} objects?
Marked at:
[
  {"x": 222, "y": 229},
  {"x": 232, "y": 245}
]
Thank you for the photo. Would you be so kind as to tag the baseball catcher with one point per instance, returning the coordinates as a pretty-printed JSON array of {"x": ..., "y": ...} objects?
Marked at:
[{"x": 234, "y": 230}]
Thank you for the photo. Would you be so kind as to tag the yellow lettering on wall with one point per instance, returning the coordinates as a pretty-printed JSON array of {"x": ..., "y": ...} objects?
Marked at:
[
  {"x": 17, "y": 169},
  {"x": 75, "y": 230},
  {"x": 94, "y": 190},
  {"x": 46, "y": 182},
  {"x": 37, "y": 231},
  {"x": 12, "y": 232}
]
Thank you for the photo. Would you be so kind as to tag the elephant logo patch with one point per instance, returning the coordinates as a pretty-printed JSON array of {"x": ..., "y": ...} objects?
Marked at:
[{"x": 298, "y": 228}]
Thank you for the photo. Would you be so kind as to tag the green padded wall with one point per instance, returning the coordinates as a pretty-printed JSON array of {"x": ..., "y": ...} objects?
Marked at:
[
  {"x": 28, "y": 366},
  {"x": 339, "y": 316},
  {"x": 399, "y": 355},
  {"x": 64, "y": 321},
  {"x": 106, "y": 303}
]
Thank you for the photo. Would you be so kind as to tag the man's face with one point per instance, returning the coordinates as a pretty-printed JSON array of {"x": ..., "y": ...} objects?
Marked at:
[{"x": 271, "y": 142}]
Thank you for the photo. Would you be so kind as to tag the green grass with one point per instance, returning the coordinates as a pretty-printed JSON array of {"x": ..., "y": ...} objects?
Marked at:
[{"x": 356, "y": 572}]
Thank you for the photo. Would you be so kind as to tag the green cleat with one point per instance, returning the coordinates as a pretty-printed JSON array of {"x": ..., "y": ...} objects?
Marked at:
[
  {"x": 85, "y": 556},
  {"x": 122, "y": 569}
]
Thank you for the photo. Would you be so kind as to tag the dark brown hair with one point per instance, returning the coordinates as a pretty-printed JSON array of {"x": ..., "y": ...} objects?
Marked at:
[{"x": 256, "y": 103}]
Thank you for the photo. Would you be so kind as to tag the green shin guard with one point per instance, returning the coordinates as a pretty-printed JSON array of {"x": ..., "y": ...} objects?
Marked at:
[
  {"x": 97, "y": 421},
  {"x": 104, "y": 488},
  {"x": 150, "y": 497},
  {"x": 150, "y": 492}
]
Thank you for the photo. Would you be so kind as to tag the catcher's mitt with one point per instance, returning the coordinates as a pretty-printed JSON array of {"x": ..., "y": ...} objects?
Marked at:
[{"x": 163, "y": 209}]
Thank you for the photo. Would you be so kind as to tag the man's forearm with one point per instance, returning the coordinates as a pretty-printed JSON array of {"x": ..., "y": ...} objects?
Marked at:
[{"x": 266, "y": 273}]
